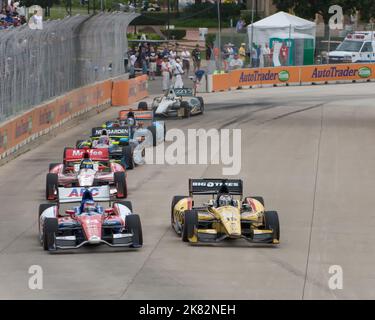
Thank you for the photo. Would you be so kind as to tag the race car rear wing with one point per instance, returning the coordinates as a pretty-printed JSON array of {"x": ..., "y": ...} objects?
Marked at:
[
  {"x": 75, "y": 155},
  {"x": 116, "y": 132},
  {"x": 99, "y": 193},
  {"x": 213, "y": 186},
  {"x": 146, "y": 116}
]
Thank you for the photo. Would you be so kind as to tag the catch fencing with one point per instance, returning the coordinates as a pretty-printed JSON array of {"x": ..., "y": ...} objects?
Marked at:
[{"x": 37, "y": 65}]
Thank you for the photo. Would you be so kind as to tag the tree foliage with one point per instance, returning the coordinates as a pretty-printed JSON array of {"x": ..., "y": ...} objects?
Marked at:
[{"x": 308, "y": 8}]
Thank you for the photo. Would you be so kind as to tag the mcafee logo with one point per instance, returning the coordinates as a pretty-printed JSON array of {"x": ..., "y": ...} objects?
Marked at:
[{"x": 92, "y": 152}]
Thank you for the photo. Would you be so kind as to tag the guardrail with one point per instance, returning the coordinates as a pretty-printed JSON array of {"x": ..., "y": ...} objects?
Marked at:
[
  {"x": 21, "y": 130},
  {"x": 259, "y": 77}
]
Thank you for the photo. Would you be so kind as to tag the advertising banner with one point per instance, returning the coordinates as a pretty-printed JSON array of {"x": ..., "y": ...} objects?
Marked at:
[{"x": 337, "y": 72}]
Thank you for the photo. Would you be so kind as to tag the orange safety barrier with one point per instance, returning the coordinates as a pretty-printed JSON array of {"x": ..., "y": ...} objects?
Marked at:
[
  {"x": 37, "y": 121},
  {"x": 337, "y": 72},
  {"x": 125, "y": 92},
  {"x": 221, "y": 82},
  {"x": 292, "y": 75}
]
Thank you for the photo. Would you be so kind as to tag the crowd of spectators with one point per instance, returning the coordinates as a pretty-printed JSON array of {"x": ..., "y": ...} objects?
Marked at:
[
  {"x": 259, "y": 56},
  {"x": 9, "y": 16},
  {"x": 170, "y": 61}
]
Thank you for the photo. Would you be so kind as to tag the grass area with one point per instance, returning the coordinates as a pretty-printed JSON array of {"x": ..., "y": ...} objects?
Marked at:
[{"x": 58, "y": 12}]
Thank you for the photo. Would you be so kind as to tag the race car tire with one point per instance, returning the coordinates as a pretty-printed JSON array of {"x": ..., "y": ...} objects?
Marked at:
[
  {"x": 202, "y": 104},
  {"x": 127, "y": 204},
  {"x": 50, "y": 227},
  {"x": 52, "y": 184},
  {"x": 152, "y": 129},
  {"x": 133, "y": 224},
  {"x": 127, "y": 155},
  {"x": 52, "y": 165},
  {"x": 271, "y": 222},
  {"x": 185, "y": 106},
  {"x": 43, "y": 207},
  {"x": 142, "y": 106},
  {"x": 120, "y": 183},
  {"x": 190, "y": 224},
  {"x": 175, "y": 199},
  {"x": 78, "y": 142}
]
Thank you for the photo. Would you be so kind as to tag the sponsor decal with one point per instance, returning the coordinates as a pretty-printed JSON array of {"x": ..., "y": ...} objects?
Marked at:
[
  {"x": 46, "y": 117},
  {"x": 3, "y": 139},
  {"x": 78, "y": 192},
  {"x": 212, "y": 184},
  {"x": 284, "y": 75},
  {"x": 91, "y": 152},
  {"x": 113, "y": 132},
  {"x": 254, "y": 76},
  {"x": 24, "y": 127},
  {"x": 364, "y": 72},
  {"x": 65, "y": 108},
  {"x": 334, "y": 72}
]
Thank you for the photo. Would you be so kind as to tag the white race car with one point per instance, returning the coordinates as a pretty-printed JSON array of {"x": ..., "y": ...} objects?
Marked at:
[{"x": 178, "y": 102}]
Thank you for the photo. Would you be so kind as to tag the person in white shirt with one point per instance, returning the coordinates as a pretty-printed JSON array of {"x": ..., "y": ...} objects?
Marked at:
[
  {"x": 178, "y": 72},
  {"x": 235, "y": 63},
  {"x": 185, "y": 55},
  {"x": 266, "y": 55},
  {"x": 166, "y": 73},
  {"x": 133, "y": 59}
]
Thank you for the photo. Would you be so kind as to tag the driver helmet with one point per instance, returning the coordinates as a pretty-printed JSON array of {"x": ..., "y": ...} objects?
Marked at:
[
  {"x": 225, "y": 200},
  {"x": 130, "y": 121},
  {"x": 86, "y": 164},
  {"x": 103, "y": 140},
  {"x": 89, "y": 206}
]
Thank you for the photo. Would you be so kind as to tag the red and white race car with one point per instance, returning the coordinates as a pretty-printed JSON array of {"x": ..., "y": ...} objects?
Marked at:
[
  {"x": 86, "y": 168},
  {"x": 87, "y": 217}
]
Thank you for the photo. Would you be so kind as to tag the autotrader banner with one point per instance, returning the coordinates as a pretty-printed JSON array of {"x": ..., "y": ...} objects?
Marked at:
[
  {"x": 292, "y": 75},
  {"x": 337, "y": 72},
  {"x": 259, "y": 76}
]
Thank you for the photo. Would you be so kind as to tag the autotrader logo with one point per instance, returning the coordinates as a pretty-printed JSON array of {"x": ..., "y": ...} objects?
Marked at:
[
  {"x": 364, "y": 72},
  {"x": 284, "y": 75}
]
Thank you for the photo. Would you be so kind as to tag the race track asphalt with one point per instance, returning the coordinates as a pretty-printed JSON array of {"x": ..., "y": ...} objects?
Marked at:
[{"x": 309, "y": 151}]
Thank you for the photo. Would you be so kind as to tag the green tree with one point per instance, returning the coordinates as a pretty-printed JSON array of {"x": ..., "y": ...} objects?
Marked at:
[
  {"x": 367, "y": 8},
  {"x": 308, "y": 8}
]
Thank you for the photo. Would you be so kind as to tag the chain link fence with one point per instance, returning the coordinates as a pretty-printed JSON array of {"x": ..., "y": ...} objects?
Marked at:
[{"x": 37, "y": 65}]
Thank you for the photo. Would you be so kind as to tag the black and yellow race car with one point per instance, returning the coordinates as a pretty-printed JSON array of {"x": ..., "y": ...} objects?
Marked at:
[{"x": 226, "y": 215}]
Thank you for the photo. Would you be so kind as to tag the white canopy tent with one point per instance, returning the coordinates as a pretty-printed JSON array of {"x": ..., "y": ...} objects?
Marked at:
[
  {"x": 283, "y": 26},
  {"x": 281, "y": 23}
]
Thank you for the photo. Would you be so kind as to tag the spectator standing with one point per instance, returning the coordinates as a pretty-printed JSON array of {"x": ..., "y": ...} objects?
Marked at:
[
  {"x": 284, "y": 52},
  {"x": 166, "y": 73},
  {"x": 152, "y": 63},
  {"x": 240, "y": 25},
  {"x": 132, "y": 59},
  {"x": 185, "y": 55},
  {"x": 178, "y": 72},
  {"x": 253, "y": 56},
  {"x": 242, "y": 52},
  {"x": 266, "y": 55},
  {"x": 260, "y": 56},
  {"x": 144, "y": 60},
  {"x": 236, "y": 63},
  {"x": 209, "y": 52},
  {"x": 196, "y": 55}
]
